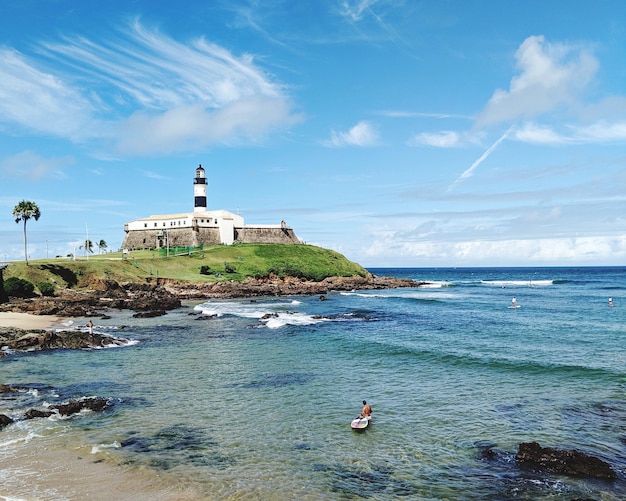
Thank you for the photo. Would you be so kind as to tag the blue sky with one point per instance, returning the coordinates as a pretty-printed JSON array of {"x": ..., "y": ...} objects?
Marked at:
[{"x": 399, "y": 133}]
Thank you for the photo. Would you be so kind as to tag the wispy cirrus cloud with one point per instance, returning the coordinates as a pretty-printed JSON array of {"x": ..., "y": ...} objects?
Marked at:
[
  {"x": 417, "y": 114},
  {"x": 598, "y": 132},
  {"x": 443, "y": 139},
  {"x": 362, "y": 134},
  {"x": 33, "y": 166},
  {"x": 110, "y": 90}
]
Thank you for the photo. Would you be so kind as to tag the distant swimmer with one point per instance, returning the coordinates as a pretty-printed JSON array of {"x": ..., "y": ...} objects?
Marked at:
[{"x": 610, "y": 301}]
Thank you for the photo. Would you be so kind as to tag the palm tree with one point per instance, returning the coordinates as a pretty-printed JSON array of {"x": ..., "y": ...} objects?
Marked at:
[
  {"x": 102, "y": 246},
  {"x": 23, "y": 212},
  {"x": 88, "y": 246}
]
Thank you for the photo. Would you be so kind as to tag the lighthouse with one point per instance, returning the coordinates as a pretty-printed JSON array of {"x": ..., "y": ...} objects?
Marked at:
[{"x": 199, "y": 191}]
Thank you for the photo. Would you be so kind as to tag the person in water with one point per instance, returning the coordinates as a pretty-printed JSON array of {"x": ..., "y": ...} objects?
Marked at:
[
  {"x": 513, "y": 303},
  {"x": 366, "y": 411},
  {"x": 90, "y": 327}
]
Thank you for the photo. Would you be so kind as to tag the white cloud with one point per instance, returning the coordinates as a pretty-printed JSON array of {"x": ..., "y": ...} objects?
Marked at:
[
  {"x": 32, "y": 166},
  {"x": 537, "y": 252},
  {"x": 362, "y": 134},
  {"x": 550, "y": 75},
  {"x": 36, "y": 100},
  {"x": 354, "y": 10},
  {"x": 599, "y": 132},
  {"x": 195, "y": 127},
  {"x": 538, "y": 134},
  {"x": 100, "y": 89},
  {"x": 443, "y": 139}
]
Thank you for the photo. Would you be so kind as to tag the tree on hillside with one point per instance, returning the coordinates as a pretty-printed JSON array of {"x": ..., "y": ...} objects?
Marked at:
[
  {"x": 88, "y": 246},
  {"x": 102, "y": 246},
  {"x": 23, "y": 212}
]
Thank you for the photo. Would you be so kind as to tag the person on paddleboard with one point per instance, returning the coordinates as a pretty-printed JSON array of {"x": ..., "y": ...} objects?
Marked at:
[{"x": 366, "y": 411}]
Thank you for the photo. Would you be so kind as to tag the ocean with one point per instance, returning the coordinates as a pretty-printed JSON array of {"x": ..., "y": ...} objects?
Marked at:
[{"x": 252, "y": 399}]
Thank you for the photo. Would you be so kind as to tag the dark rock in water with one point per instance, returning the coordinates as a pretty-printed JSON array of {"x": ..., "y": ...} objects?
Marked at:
[
  {"x": 206, "y": 317},
  {"x": 568, "y": 462},
  {"x": 75, "y": 406},
  {"x": 149, "y": 314},
  {"x": 35, "y": 413},
  {"x": 39, "y": 339},
  {"x": 4, "y": 421},
  {"x": 7, "y": 388}
]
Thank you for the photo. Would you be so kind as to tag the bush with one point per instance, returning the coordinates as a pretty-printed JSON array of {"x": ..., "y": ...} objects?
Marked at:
[
  {"x": 18, "y": 287},
  {"x": 46, "y": 288},
  {"x": 205, "y": 270}
]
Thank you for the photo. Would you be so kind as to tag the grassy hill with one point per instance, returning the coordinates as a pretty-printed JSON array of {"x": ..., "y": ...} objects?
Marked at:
[{"x": 218, "y": 263}]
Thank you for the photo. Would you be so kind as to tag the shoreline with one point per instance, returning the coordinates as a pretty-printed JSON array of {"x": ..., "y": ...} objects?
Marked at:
[{"x": 28, "y": 321}]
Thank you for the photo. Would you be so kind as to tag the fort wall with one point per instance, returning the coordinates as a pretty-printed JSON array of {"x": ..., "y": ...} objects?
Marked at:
[
  {"x": 265, "y": 235},
  {"x": 194, "y": 237}
]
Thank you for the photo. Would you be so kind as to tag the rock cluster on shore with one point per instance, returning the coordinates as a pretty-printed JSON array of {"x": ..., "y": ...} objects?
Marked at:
[
  {"x": 13, "y": 339},
  {"x": 69, "y": 408},
  {"x": 161, "y": 295}
]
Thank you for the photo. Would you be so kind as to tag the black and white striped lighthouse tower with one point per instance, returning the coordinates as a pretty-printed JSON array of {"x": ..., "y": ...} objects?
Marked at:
[{"x": 199, "y": 190}]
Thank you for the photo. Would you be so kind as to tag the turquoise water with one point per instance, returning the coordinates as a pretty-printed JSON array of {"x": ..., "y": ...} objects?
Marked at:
[{"x": 239, "y": 406}]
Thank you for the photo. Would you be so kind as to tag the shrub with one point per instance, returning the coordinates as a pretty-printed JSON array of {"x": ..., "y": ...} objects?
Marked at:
[
  {"x": 46, "y": 288},
  {"x": 18, "y": 287},
  {"x": 205, "y": 270}
]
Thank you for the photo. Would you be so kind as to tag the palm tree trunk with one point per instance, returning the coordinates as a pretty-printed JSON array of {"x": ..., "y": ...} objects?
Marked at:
[{"x": 25, "y": 251}]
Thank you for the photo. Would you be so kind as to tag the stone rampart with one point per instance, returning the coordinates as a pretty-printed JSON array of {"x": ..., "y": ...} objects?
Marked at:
[
  {"x": 194, "y": 237},
  {"x": 260, "y": 235}
]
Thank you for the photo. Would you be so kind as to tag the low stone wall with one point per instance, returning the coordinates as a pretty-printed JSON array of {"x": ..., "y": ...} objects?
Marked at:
[
  {"x": 194, "y": 237},
  {"x": 266, "y": 236}
]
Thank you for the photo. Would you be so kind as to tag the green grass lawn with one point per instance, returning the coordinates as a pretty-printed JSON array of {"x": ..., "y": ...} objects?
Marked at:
[{"x": 219, "y": 263}]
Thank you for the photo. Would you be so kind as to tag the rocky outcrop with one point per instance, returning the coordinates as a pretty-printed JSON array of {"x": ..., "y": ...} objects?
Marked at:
[
  {"x": 150, "y": 314},
  {"x": 36, "y": 413},
  {"x": 4, "y": 421},
  {"x": 159, "y": 295},
  {"x": 95, "y": 404},
  {"x": 102, "y": 296},
  {"x": 567, "y": 462},
  {"x": 275, "y": 286},
  {"x": 22, "y": 340}
]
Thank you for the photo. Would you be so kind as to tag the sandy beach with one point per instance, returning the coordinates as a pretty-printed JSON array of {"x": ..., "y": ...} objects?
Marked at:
[{"x": 27, "y": 321}]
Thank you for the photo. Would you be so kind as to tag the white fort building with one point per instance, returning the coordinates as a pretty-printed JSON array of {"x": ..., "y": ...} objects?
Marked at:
[{"x": 201, "y": 227}]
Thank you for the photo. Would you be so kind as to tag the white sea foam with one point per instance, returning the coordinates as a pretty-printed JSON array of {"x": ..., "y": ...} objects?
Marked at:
[
  {"x": 251, "y": 309},
  {"x": 518, "y": 283},
  {"x": 436, "y": 285},
  {"x": 95, "y": 449},
  {"x": 282, "y": 319},
  {"x": 19, "y": 440}
]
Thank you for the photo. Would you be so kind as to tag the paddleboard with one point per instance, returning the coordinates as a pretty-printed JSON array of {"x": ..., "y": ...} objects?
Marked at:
[{"x": 360, "y": 423}]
